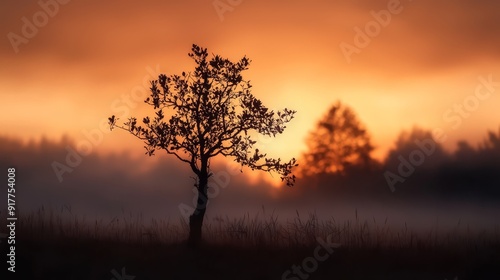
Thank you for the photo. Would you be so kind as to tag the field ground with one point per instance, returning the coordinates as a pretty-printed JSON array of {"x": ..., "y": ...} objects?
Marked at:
[
  {"x": 83, "y": 259},
  {"x": 248, "y": 248}
]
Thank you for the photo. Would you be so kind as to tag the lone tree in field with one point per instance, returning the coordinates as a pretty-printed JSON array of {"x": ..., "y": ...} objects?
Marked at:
[
  {"x": 338, "y": 142},
  {"x": 210, "y": 112}
]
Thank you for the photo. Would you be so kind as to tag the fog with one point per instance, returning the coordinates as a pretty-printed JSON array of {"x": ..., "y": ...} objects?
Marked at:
[{"x": 103, "y": 187}]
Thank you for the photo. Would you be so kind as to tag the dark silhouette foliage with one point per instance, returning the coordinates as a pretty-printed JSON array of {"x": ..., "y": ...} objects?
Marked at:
[
  {"x": 473, "y": 171},
  {"x": 210, "y": 112},
  {"x": 417, "y": 140},
  {"x": 425, "y": 168}
]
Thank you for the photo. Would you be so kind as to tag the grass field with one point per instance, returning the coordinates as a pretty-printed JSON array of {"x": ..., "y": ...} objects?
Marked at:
[{"x": 55, "y": 244}]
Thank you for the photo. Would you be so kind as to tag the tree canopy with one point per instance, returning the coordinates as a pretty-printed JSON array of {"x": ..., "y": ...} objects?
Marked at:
[
  {"x": 209, "y": 112},
  {"x": 212, "y": 110},
  {"x": 338, "y": 142}
]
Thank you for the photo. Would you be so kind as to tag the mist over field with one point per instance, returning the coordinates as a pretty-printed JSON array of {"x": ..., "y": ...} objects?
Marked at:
[
  {"x": 120, "y": 184},
  {"x": 233, "y": 139}
]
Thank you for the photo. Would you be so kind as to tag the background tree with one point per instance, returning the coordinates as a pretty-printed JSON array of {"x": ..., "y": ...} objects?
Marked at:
[
  {"x": 338, "y": 142},
  {"x": 414, "y": 162},
  {"x": 211, "y": 112},
  {"x": 420, "y": 141},
  {"x": 473, "y": 171}
]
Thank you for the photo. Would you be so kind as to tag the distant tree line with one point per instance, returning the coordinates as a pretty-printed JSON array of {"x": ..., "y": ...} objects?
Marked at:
[{"x": 339, "y": 159}]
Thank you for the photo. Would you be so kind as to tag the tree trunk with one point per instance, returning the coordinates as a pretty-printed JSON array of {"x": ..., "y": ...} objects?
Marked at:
[{"x": 196, "y": 219}]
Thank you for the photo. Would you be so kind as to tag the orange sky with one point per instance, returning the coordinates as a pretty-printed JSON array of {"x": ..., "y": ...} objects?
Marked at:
[{"x": 79, "y": 67}]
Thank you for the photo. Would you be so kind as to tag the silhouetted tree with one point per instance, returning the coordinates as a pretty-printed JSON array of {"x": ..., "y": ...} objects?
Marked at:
[
  {"x": 474, "y": 171},
  {"x": 418, "y": 165},
  {"x": 210, "y": 112},
  {"x": 416, "y": 157},
  {"x": 418, "y": 148},
  {"x": 464, "y": 151},
  {"x": 339, "y": 141},
  {"x": 492, "y": 144}
]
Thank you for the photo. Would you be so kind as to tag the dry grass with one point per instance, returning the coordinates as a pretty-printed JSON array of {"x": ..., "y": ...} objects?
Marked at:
[{"x": 259, "y": 230}]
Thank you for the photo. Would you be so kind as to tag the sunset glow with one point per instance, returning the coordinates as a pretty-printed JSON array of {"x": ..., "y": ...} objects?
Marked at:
[
  {"x": 349, "y": 139},
  {"x": 71, "y": 75}
]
